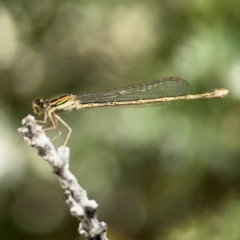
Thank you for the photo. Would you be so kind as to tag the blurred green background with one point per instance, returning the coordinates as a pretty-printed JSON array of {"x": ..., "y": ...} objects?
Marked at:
[{"x": 166, "y": 172}]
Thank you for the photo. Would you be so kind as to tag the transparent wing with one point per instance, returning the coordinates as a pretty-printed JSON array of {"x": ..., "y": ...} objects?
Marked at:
[{"x": 163, "y": 87}]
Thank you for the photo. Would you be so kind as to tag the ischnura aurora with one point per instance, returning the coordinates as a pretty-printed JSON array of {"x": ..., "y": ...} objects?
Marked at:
[{"x": 148, "y": 93}]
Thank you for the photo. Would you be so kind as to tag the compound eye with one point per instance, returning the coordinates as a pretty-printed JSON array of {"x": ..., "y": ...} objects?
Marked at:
[
  {"x": 38, "y": 106},
  {"x": 38, "y": 102}
]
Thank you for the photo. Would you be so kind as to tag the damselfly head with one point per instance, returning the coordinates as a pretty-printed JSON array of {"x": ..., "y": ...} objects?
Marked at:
[{"x": 40, "y": 106}]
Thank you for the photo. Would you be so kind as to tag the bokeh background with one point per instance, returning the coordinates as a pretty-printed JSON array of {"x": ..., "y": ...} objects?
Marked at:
[{"x": 166, "y": 172}]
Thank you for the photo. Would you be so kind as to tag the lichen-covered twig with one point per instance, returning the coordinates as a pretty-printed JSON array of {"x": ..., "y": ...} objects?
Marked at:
[{"x": 75, "y": 196}]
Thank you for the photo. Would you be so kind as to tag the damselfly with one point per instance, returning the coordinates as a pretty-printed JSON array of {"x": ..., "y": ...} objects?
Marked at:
[{"x": 153, "y": 92}]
